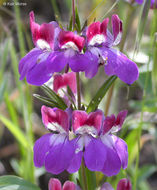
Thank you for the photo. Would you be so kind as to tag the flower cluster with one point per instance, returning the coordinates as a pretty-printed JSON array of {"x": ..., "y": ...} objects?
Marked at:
[
  {"x": 76, "y": 136},
  {"x": 57, "y": 49},
  {"x": 55, "y": 184}
]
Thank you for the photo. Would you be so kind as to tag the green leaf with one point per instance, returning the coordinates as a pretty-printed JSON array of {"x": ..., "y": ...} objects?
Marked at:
[
  {"x": 77, "y": 19},
  {"x": 142, "y": 23},
  {"x": 91, "y": 177},
  {"x": 15, "y": 130},
  {"x": 100, "y": 94},
  {"x": 10, "y": 182},
  {"x": 3, "y": 88},
  {"x": 56, "y": 98},
  {"x": 46, "y": 100},
  {"x": 145, "y": 172},
  {"x": 154, "y": 70}
]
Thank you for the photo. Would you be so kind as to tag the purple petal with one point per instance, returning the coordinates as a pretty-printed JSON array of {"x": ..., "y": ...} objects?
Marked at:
[
  {"x": 28, "y": 61},
  {"x": 39, "y": 74},
  {"x": 153, "y": 4},
  {"x": 122, "y": 150},
  {"x": 57, "y": 61},
  {"x": 139, "y": 1},
  {"x": 41, "y": 147},
  {"x": 112, "y": 164},
  {"x": 79, "y": 62},
  {"x": 95, "y": 155},
  {"x": 118, "y": 64},
  {"x": 59, "y": 157},
  {"x": 92, "y": 70},
  {"x": 106, "y": 186},
  {"x": 124, "y": 184},
  {"x": 77, "y": 157}
]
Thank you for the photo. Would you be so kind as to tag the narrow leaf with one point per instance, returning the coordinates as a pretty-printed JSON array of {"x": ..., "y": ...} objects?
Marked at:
[
  {"x": 77, "y": 19},
  {"x": 54, "y": 96},
  {"x": 100, "y": 94},
  {"x": 46, "y": 100},
  {"x": 142, "y": 23},
  {"x": 10, "y": 182},
  {"x": 15, "y": 130}
]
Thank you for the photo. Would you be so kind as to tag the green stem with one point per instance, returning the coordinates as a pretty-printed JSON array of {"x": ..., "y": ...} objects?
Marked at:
[
  {"x": 78, "y": 91},
  {"x": 83, "y": 172},
  {"x": 83, "y": 176},
  {"x": 73, "y": 12}
]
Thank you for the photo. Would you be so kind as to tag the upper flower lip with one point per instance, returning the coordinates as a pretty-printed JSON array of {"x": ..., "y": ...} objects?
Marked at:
[
  {"x": 97, "y": 33},
  {"x": 66, "y": 37},
  {"x": 55, "y": 119},
  {"x": 83, "y": 123},
  {"x": 44, "y": 33},
  {"x": 112, "y": 123}
]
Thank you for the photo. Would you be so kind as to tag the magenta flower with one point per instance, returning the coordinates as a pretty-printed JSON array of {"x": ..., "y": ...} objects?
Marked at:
[
  {"x": 123, "y": 184},
  {"x": 99, "y": 48},
  {"x": 87, "y": 146},
  {"x": 55, "y": 184},
  {"x": 63, "y": 80},
  {"x": 116, "y": 148},
  {"x": 93, "y": 135},
  {"x": 60, "y": 84},
  {"x": 69, "y": 53},
  {"x": 33, "y": 66},
  {"x": 54, "y": 150}
]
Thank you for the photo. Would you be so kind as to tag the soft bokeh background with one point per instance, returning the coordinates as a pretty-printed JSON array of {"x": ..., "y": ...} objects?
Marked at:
[{"x": 20, "y": 118}]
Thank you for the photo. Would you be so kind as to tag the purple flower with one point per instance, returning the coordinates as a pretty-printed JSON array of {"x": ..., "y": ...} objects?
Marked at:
[
  {"x": 54, "y": 150},
  {"x": 55, "y": 184},
  {"x": 153, "y": 3},
  {"x": 87, "y": 146},
  {"x": 99, "y": 48},
  {"x": 123, "y": 184},
  {"x": 33, "y": 66},
  {"x": 69, "y": 53},
  {"x": 116, "y": 148}
]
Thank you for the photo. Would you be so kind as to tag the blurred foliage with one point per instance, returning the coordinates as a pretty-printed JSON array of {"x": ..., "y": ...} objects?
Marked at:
[{"x": 16, "y": 104}]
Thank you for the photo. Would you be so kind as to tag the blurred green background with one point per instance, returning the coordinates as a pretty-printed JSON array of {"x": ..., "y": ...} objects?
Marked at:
[{"x": 20, "y": 118}]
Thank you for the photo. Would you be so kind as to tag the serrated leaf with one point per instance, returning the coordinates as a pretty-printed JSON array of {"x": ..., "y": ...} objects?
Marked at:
[
  {"x": 10, "y": 182},
  {"x": 100, "y": 94},
  {"x": 56, "y": 98}
]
